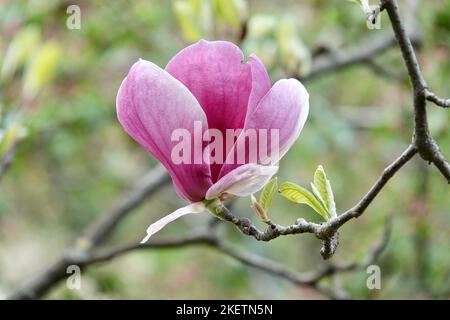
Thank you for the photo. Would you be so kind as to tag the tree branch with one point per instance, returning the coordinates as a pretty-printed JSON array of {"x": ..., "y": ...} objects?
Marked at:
[
  {"x": 151, "y": 182},
  {"x": 362, "y": 54},
  {"x": 82, "y": 253},
  {"x": 6, "y": 161},
  {"x": 209, "y": 238},
  {"x": 431, "y": 96},
  {"x": 426, "y": 145},
  {"x": 327, "y": 231},
  {"x": 95, "y": 235}
]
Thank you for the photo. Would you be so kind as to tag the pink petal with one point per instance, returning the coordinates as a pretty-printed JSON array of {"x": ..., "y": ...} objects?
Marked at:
[
  {"x": 284, "y": 108},
  {"x": 151, "y": 104},
  {"x": 224, "y": 86},
  {"x": 260, "y": 83},
  {"x": 214, "y": 73},
  {"x": 242, "y": 181}
]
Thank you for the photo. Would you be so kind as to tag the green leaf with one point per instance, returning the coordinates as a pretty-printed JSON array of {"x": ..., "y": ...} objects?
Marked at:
[
  {"x": 41, "y": 68},
  {"x": 21, "y": 47},
  {"x": 13, "y": 133},
  {"x": 294, "y": 54},
  {"x": 229, "y": 11},
  {"x": 318, "y": 195},
  {"x": 188, "y": 19},
  {"x": 323, "y": 191},
  {"x": 297, "y": 194},
  {"x": 267, "y": 194},
  {"x": 320, "y": 184},
  {"x": 332, "y": 204}
]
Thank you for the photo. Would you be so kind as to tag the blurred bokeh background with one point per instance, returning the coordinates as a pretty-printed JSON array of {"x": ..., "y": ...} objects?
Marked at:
[{"x": 57, "y": 97}]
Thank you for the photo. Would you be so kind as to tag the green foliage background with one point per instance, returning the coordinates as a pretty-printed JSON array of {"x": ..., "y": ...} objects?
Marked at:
[{"x": 75, "y": 159}]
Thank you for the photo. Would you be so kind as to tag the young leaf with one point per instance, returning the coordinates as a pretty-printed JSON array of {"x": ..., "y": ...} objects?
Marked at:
[
  {"x": 319, "y": 196},
  {"x": 188, "y": 20},
  {"x": 259, "y": 209},
  {"x": 13, "y": 133},
  {"x": 324, "y": 189},
  {"x": 267, "y": 194},
  {"x": 229, "y": 11},
  {"x": 332, "y": 204},
  {"x": 22, "y": 46},
  {"x": 41, "y": 68},
  {"x": 298, "y": 194}
]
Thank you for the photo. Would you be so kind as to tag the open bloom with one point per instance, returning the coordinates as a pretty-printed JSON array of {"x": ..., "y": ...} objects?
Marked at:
[{"x": 209, "y": 83}]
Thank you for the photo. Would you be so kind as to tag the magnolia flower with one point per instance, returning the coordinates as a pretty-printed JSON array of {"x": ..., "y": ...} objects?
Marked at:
[{"x": 208, "y": 83}]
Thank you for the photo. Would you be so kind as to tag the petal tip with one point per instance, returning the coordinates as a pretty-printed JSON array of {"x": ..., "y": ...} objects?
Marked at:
[{"x": 143, "y": 241}]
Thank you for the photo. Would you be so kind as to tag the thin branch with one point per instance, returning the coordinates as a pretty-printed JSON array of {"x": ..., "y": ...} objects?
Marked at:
[
  {"x": 337, "y": 60},
  {"x": 271, "y": 267},
  {"x": 381, "y": 70},
  {"x": 327, "y": 231},
  {"x": 431, "y": 96},
  {"x": 423, "y": 144},
  {"x": 276, "y": 269},
  {"x": 199, "y": 237},
  {"x": 210, "y": 239},
  {"x": 148, "y": 184},
  {"x": 5, "y": 162},
  {"x": 427, "y": 147},
  {"x": 58, "y": 271},
  {"x": 388, "y": 173},
  {"x": 96, "y": 234}
]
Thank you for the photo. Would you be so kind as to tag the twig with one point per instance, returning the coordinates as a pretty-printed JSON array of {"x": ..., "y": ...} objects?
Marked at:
[
  {"x": 422, "y": 143},
  {"x": 388, "y": 173},
  {"x": 6, "y": 161},
  {"x": 327, "y": 231},
  {"x": 361, "y": 54},
  {"x": 380, "y": 70},
  {"x": 151, "y": 182},
  {"x": 95, "y": 235},
  {"x": 209, "y": 238},
  {"x": 431, "y": 96},
  {"x": 426, "y": 145}
]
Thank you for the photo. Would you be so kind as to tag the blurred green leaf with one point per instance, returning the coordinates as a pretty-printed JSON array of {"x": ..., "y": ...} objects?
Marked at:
[
  {"x": 21, "y": 47},
  {"x": 41, "y": 69},
  {"x": 297, "y": 194},
  {"x": 11, "y": 134},
  {"x": 188, "y": 14},
  {"x": 293, "y": 53},
  {"x": 229, "y": 11},
  {"x": 267, "y": 194},
  {"x": 261, "y": 25}
]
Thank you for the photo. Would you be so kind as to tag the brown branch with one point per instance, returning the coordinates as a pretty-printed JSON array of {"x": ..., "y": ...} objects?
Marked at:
[
  {"x": 388, "y": 173},
  {"x": 327, "y": 231},
  {"x": 426, "y": 145},
  {"x": 423, "y": 144},
  {"x": 432, "y": 97},
  {"x": 95, "y": 235},
  {"x": 210, "y": 238},
  {"x": 142, "y": 190},
  {"x": 365, "y": 53},
  {"x": 5, "y": 162}
]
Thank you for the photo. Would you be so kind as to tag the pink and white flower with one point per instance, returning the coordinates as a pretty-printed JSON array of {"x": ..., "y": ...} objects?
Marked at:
[{"x": 208, "y": 82}]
